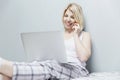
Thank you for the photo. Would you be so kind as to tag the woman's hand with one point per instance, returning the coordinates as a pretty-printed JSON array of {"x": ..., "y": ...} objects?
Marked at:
[{"x": 76, "y": 29}]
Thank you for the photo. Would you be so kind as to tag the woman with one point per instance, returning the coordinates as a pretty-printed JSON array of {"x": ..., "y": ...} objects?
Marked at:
[{"x": 78, "y": 48}]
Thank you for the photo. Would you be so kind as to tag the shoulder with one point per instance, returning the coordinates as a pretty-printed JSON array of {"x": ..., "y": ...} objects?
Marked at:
[{"x": 86, "y": 35}]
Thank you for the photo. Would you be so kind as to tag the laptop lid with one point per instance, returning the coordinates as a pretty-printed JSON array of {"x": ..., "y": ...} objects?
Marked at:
[{"x": 44, "y": 46}]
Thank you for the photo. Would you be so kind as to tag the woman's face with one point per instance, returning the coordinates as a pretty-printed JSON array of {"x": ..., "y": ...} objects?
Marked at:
[{"x": 68, "y": 20}]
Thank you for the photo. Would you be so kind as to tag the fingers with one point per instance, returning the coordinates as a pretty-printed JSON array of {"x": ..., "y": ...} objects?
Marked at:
[{"x": 76, "y": 27}]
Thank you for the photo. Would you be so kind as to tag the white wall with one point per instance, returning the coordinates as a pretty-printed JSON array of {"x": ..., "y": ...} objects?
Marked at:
[
  {"x": 101, "y": 17},
  {"x": 103, "y": 22},
  {"x": 18, "y": 16}
]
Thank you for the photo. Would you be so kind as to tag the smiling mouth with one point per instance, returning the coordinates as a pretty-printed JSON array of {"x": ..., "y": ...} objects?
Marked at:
[{"x": 69, "y": 24}]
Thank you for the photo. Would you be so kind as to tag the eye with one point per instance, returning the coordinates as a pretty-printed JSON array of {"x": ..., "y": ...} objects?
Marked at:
[
  {"x": 72, "y": 17},
  {"x": 65, "y": 15}
]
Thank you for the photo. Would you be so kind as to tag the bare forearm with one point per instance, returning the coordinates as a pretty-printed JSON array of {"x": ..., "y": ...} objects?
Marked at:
[
  {"x": 6, "y": 68},
  {"x": 4, "y": 77},
  {"x": 81, "y": 51}
]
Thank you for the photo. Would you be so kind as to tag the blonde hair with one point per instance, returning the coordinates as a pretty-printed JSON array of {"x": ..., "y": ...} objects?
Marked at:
[{"x": 77, "y": 12}]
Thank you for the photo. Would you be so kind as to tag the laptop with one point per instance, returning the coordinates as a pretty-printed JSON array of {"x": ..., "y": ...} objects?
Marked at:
[{"x": 43, "y": 46}]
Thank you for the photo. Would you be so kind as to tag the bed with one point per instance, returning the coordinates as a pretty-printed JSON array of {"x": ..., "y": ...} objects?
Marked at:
[
  {"x": 98, "y": 76},
  {"x": 101, "y": 76}
]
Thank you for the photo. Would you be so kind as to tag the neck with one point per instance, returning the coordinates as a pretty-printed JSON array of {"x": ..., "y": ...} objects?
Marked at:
[{"x": 68, "y": 31}]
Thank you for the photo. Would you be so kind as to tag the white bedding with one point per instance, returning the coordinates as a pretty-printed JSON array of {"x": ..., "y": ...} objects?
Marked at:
[{"x": 101, "y": 76}]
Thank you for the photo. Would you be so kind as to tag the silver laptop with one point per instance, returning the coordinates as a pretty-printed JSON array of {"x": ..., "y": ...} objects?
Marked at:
[{"x": 44, "y": 46}]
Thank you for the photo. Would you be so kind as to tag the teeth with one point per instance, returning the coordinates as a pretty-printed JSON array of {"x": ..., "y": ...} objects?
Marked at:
[{"x": 69, "y": 23}]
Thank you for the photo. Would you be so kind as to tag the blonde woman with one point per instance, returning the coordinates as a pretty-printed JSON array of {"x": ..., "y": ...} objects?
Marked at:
[{"x": 78, "y": 48}]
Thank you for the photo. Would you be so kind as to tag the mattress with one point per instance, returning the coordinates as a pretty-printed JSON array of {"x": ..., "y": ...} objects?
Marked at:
[
  {"x": 101, "y": 76},
  {"x": 98, "y": 76}
]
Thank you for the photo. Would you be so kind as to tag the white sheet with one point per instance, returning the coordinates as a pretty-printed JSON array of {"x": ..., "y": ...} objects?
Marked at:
[
  {"x": 98, "y": 76},
  {"x": 101, "y": 76}
]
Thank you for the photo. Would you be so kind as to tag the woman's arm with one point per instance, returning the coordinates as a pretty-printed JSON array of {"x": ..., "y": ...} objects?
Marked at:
[
  {"x": 83, "y": 48},
  {"x": 4, "y": 77}
]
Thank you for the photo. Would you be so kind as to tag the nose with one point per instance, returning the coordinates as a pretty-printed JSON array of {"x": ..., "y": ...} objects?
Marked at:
[{"x": 68, "y": 19}]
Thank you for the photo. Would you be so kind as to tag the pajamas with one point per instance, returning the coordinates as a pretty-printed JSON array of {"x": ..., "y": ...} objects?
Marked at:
[{"x": 47, "y": 69}]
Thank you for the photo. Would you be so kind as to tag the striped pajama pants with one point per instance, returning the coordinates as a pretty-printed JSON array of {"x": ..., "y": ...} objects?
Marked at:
[{"x": 45, "y": 70}]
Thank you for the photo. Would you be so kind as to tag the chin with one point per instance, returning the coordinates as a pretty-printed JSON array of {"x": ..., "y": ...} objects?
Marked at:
[{"x": 67, "y": 28}]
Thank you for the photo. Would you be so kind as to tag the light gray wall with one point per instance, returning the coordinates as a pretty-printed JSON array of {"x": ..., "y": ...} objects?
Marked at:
[
  {"x": 17, "y": 16},
  {"x": 102, "y": 21}
]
